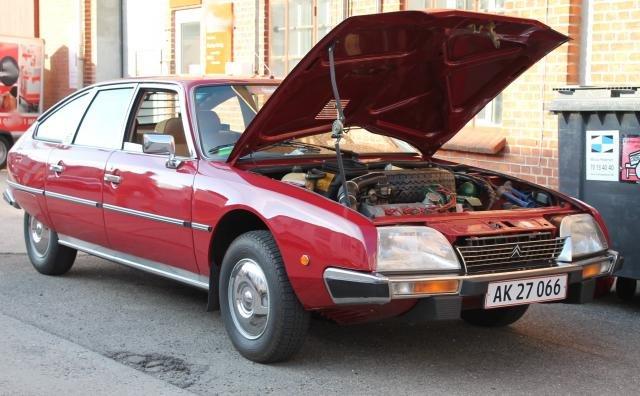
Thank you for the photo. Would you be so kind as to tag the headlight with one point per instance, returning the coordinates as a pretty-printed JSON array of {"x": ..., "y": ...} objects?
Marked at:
[
  {"x": 403, "y": 249},
  {"x": 584, "y": 237}
]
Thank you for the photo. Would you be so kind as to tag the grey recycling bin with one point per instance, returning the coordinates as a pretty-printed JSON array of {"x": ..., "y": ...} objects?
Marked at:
[{"x": 599, "y": 163}]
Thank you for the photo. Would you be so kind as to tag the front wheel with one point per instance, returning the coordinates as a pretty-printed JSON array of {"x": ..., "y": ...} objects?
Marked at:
[
  {"x": 261, "y": 313},
  {"x": 497, "y": 317},
  {"x": 45, "y": 254}
]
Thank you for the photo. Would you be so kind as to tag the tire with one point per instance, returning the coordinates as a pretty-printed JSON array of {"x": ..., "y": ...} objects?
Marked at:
[
  {"x": 497, "y": 317},
  {"x": 5, "y": 145},
  {"x": 45, "y": 254},
  {"x": 261, "y": 313},
  {"x": 626, "y": 288}
]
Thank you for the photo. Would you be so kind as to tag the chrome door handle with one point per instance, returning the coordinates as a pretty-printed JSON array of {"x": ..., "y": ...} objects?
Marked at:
[
  {"x": 113, "y": 179},
  {"x": 56, "y": 168}
]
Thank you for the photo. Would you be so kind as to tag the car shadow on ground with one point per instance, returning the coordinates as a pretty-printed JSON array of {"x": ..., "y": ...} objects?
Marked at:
[
  {"x": 545, "y": 341},
  {"x": 108, "y": 275}
]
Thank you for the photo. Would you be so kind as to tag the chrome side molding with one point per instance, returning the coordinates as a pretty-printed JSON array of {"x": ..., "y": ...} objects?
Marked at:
[
  {"x": 144, "y": 215},
  {"x": 28, "y": 189},
  {"x": 153, "y": 267},
  {"x": 69, "y": 198},
  {"x": 8, "y": 196}
]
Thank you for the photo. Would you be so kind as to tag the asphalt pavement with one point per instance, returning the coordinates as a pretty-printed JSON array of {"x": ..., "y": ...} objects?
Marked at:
[{"x": 108, "y": 329}]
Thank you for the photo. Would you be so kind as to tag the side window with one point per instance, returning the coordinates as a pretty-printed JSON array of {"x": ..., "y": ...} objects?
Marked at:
[
  {"x": 158, "y": 111},
  {"x": 62, "y": 124},
  {"x": 103, "y": 125}
]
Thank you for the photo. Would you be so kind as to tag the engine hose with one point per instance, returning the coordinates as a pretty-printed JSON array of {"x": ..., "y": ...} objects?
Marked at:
[
  {"x": 491, "y": 192},
  {"x": 355, "y": 185}
]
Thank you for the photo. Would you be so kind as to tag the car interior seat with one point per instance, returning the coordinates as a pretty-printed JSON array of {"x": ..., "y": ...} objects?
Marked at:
[
  {"x": 211, "y": 131},
  {"x": 173, "y": 126}
]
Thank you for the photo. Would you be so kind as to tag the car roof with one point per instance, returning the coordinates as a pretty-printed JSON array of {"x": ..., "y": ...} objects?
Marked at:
[{"x": 190, "y": 81}]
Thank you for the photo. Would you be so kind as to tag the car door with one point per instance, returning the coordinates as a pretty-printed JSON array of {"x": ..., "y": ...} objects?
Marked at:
[
  {"x": 74, "y": 183},
  {"x": 147, "y": 204}
]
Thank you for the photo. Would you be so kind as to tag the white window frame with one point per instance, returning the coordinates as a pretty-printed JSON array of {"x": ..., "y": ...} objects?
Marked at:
[
  {"x": 181, "y": 17},
  {"x": 489, "y": 119},
  {"x": 315, "y": 26},
  {"x": 492, "y": 7}
]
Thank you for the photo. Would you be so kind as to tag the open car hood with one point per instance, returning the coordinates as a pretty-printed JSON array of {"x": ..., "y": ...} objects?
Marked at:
[{"x": 416, "y": 76}]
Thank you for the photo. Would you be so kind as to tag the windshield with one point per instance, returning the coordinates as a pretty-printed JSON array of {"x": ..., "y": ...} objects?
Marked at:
[{"x": 225, "y": 111}]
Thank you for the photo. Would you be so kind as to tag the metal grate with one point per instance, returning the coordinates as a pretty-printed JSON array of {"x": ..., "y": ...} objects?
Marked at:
[
  {"x": 509, "y": 252},
  {"x": 330, "y": 112}
]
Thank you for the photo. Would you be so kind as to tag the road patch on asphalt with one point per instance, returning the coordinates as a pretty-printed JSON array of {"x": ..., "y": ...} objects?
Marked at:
[{"x": 167, "y": 368}]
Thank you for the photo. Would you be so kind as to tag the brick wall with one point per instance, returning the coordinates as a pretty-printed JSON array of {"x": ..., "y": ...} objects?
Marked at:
[
  {"x": 531, "y": 151},
  {"x": 615, "y": 57}
]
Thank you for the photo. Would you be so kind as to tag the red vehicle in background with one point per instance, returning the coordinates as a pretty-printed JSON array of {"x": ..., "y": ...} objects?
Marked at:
[
  {"x": 21, "y": 72},
  {"x": 319, "y": 193}
]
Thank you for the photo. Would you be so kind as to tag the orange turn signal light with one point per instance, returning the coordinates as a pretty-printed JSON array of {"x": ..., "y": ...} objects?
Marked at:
[
  {"x": 591, "y": 270},
  {"x": 436, "y": 286}
]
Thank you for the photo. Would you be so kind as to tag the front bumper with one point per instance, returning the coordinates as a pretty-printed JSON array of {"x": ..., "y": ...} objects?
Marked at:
[{"x": 348, "y": 287}]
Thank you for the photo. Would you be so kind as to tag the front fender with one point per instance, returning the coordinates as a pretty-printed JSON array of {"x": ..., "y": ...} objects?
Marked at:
[{"x": 302, "y": 223}]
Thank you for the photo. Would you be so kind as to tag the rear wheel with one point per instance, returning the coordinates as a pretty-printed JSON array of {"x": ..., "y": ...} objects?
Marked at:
[
  {"x": 262, "y": 315},
  {"x": 5, "y": 145},
  {"x": 45, "y": 254},
  {"x": 497, "y": 317},
  {"x": 626, "y": 288}
]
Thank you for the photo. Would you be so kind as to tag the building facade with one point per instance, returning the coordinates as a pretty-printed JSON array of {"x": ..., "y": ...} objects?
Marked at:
[{"x": 93, "y": 40}]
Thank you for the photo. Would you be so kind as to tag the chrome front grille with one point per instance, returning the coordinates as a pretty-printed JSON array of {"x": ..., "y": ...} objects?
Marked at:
[{"x": 509, "y": 252}]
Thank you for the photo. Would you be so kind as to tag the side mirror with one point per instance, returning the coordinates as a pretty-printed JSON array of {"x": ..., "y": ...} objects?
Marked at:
[{"x": 161, "y": 144}]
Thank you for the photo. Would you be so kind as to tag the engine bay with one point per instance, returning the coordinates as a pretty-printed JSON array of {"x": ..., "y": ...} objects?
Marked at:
[{"x": 410, "y": 188}]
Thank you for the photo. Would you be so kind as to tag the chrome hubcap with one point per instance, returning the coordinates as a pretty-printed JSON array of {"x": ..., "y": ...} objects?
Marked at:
[
  {"x": 249, "y": 298},
  {"x": 40, "y": 236}
]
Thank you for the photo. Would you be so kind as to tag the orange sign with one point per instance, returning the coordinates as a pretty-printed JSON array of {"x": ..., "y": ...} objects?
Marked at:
[
  {"x": 218, "y": 28},
  {"x": 184, "y": 3}
]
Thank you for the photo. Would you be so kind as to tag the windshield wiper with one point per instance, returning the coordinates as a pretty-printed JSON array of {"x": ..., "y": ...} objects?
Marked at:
[
  {"x": 217, "y": 149},
  {"x": 291, "y": 143}
]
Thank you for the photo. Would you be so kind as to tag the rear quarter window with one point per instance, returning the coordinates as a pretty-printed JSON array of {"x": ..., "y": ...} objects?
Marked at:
[{"x": 62, "y": 124}]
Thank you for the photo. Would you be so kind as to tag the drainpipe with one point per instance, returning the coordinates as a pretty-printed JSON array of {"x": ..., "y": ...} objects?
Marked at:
[
  {"x": 36, "y": 18},
  {"x": 121, "y": 10},
  {"x": 378, "y": 6},
  {"x": 586, "y": 26}
]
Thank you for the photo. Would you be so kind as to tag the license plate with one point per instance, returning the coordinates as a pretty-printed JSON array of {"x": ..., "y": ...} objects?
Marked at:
[{"x": 526, "y": 291}]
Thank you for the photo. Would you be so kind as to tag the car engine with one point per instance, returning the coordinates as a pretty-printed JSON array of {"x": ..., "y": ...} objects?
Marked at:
[{"x": 391, "y": 190}]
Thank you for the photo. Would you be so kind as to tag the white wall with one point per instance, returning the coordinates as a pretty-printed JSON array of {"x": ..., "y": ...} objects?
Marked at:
[
  {"x": 107, "y": 38},
  {"x": 16, "y": 18},
  {"x": 146, "y": 30}
]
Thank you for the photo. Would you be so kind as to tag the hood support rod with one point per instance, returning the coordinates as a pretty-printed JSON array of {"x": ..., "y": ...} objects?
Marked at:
[{"x": 337, "y": 130}]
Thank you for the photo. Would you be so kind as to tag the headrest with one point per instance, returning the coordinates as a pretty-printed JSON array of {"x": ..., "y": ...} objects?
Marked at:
[
  {"x": 208, "y": 122},
  {"x": 170, "y": 126}
]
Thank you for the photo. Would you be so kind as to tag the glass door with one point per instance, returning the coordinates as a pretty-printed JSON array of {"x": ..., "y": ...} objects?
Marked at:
[{"x": 188, "y": 41}]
